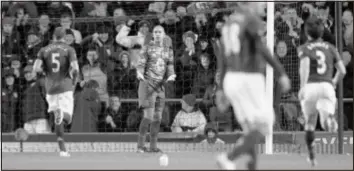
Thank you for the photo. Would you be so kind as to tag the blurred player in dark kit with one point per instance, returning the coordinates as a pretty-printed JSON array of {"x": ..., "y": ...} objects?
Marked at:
[{"x": 242, "y": 67}]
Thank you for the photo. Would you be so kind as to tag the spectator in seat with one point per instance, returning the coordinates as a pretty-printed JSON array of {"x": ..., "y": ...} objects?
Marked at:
[
  {"x": 294, "y": 23},
  {"x": 118, "y": 12},
  {"x": 211, "y": 135},
  {"x": 122, "y": 81},
  {"x": 16, "y": 67},
  {"x": 21, "y": 23},
  {"x": 123, "y": 28},
  {"x": 56, "y": 9},
  {"x": 186, "y": 64},
  {"x": 9, "y": 102},
  {"x": 204, "y": 75},
  {"x": 348, "y": 26},
  {"x": 33, "y": 45},
  {"x": 134, "y": 119},
  {"x": 70, "y": 40},
  {"x": 88, "y": 9},
  {"x": 143, "y": 37},
  {"x": 203, "y": 46},
  {"x": 102, "y": 42},
  {"x": 33, "y": 104},
  {"x": 45, "y": 29},
  {"x": 289, "y": 59},
  {"x": 189, "y": 118},
  {"x": 105, "y": 43},
  {"x": 171, "y": 23},
  {"x": 94, "y": 71},
  {"x": 95, "y": 9},
  {"x": 12, "y": 39},
  {"x": 87, "y": 108},
  {"x": 66, "y": 22},
  {"x": 114, "y": 118},
  {"x": 157, "y": 7},
  {"x": 201, "y": 21},
  {"x": 30, "y": 7},
  {"x": 187, "y": 22}
]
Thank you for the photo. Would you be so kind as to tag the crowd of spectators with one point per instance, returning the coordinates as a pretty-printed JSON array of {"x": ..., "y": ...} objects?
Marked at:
[{"x": 99, "y": 30}]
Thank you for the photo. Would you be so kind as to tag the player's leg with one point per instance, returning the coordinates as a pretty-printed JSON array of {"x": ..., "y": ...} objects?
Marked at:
[
  {"x": 308, "y": 107},
  {"x": 62, "y": 116},
  {"x": 54, "y": 109},
  {"x": 256, "y": 117},
  {"x": 156, "y": 121},
  {"x": 146, "y": 103},
  {"x": 239, "y": 95},
  {"x": 326, "y": 108}
]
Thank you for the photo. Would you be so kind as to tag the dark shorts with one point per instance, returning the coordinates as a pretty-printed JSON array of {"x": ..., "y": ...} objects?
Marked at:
[{"x": 152, "y": 100}]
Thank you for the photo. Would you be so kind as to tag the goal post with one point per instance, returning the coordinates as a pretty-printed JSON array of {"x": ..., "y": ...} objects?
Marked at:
[{"x": 269, "y": 71}]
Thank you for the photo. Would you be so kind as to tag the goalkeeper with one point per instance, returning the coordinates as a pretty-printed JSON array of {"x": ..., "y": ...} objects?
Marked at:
[{"x": 155, "y": 63}]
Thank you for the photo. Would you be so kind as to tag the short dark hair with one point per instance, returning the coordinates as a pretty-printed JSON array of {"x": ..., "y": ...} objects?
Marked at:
[
  {"x": 65, "y": 15},
  {"x": 314, "y": 27},
  {"x": 59, "y": 33}
]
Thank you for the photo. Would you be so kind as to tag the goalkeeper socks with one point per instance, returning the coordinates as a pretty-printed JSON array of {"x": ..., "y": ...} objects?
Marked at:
[
  {"x": 154, "y": 130},
  {"x": 310, "y": 137},
  {"x": 143, "y": 129},
  {"x": 249, "y": 142},
  {"x": 59, "y": 131}
]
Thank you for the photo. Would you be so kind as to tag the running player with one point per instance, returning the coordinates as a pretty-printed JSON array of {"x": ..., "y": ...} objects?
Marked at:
[
  {"x": 317, "y": 88},
  {"x": 61, "y": 69},
  {"x": 242, "y": 69}
]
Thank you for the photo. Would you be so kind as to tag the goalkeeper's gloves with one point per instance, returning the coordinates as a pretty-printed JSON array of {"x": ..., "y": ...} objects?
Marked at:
[
  {"x": 171, "y": 78},
  {"x": 140, "y": 76}
]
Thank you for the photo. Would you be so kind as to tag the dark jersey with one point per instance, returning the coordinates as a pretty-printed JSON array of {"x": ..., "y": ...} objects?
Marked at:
[
  {"x": 56, "y": 59},
  {"x": 253, "y": 55},
  {"x": 323, "y": 57},
  {"x": 246, "y": 28}
]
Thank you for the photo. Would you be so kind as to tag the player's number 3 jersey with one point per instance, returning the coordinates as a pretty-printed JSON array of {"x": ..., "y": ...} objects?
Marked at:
[
  {"x": 56, "y": 59},
  {"x": 322, "y": 57}
]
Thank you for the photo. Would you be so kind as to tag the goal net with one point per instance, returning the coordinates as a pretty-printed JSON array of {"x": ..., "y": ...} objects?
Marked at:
[{"x": 103, "y": 33}]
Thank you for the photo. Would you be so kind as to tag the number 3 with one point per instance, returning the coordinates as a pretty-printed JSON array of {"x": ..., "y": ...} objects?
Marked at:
[
  {"x": 321, "y": 62},
  {"x": 56, "y": 61}
]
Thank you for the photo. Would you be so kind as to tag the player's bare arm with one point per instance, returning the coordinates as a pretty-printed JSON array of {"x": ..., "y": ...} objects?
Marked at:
[
  {"x": 283, "y": 79},
  {"x": 74, "y": 70},
  {"x": 304, "y": 71},
  {"x": 74, "y": 65},
  {"x": 341, "y": 71}
]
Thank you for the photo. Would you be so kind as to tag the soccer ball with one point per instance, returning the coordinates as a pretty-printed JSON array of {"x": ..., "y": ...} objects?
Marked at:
[{"x": 164, "y": 160}]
